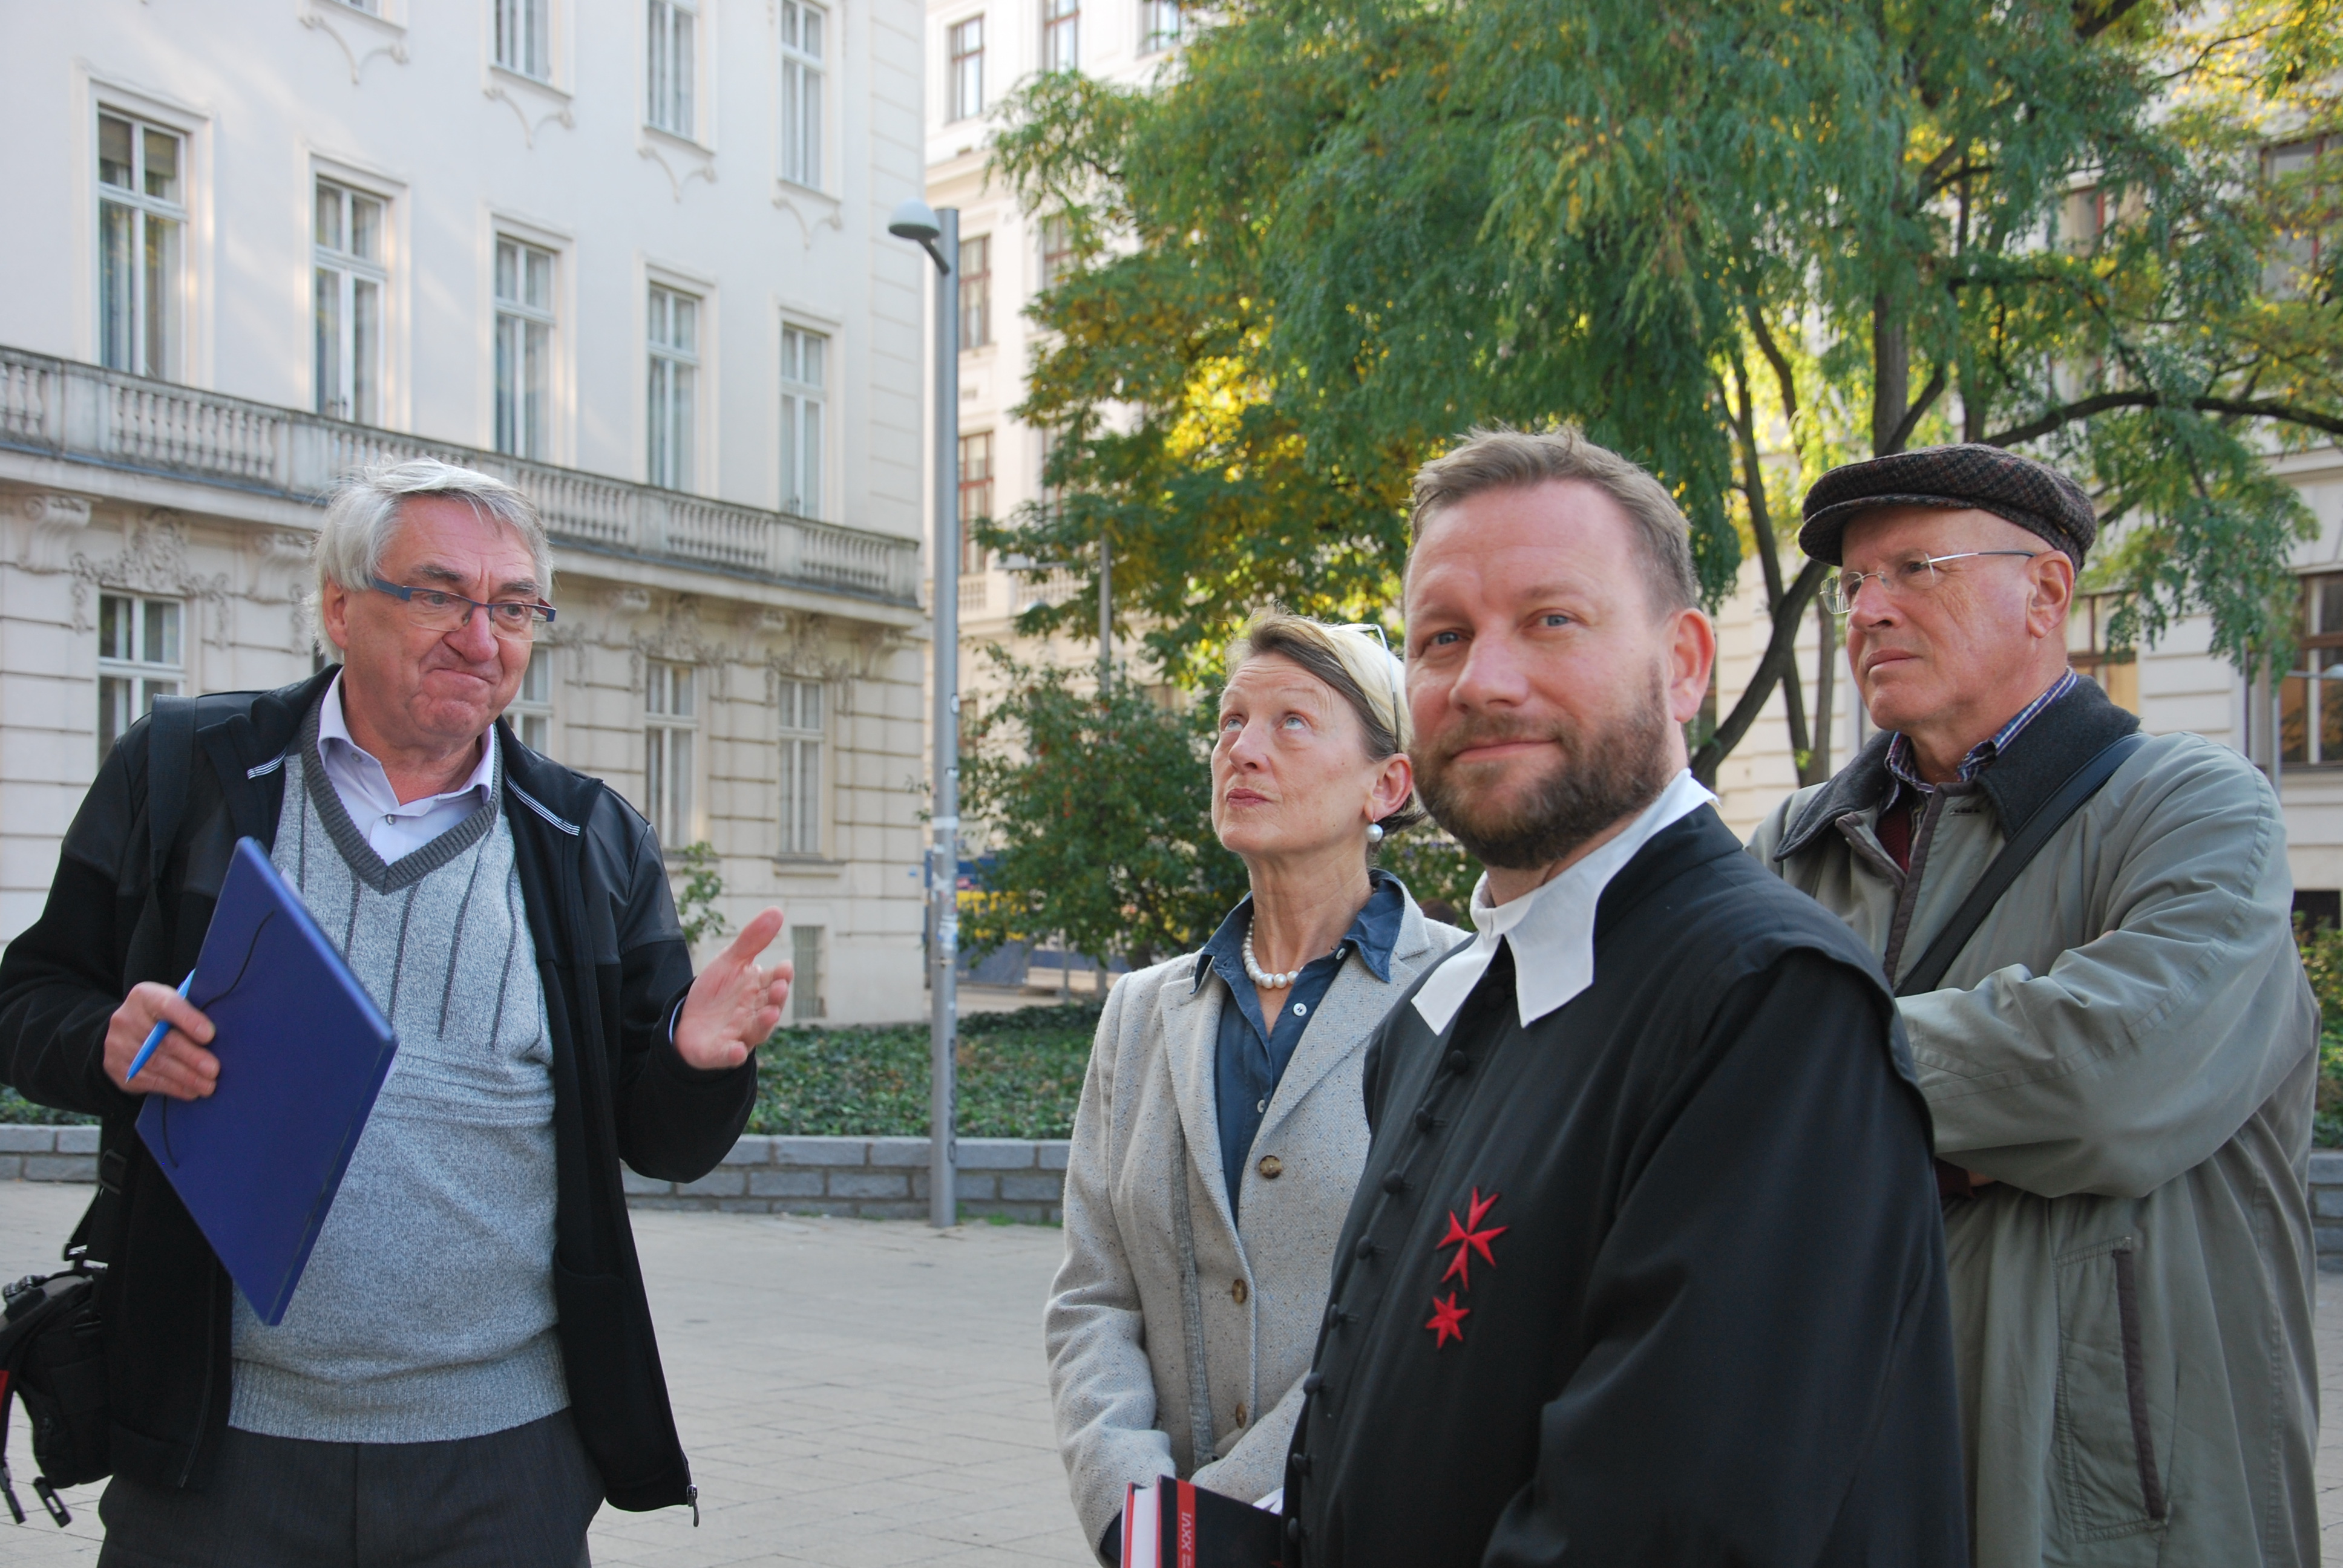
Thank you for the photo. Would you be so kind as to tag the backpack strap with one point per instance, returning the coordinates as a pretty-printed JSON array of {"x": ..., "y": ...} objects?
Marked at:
[
  {"x": 1929, "y": 973},
  {"x": 170, "y": 760}
]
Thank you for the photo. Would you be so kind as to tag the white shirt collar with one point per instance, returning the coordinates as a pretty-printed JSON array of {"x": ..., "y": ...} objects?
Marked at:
[
  {"x": 1552, "y": 928},
  {"x": 353, "y": 768}
]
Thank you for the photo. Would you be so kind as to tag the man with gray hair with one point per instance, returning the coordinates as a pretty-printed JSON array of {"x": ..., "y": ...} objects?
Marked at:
[
  {"x": 468, "y": 1370},
  {"x": 2090, "y": 933},
  {"x": 1644, "y": 1265}
]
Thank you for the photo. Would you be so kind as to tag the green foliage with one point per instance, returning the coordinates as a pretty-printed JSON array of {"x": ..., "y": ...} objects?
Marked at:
[
  {"x": 1098, "y": 813},
  {"x": 1435, "y": 867},
  {"x": 20, "y": 1111},
  {"x": 695, "y": 903},
  {"x": 2322, "y": 961},
  {"x": 1713, "y": 232},
  {"x": 1020, "y": 1075}
]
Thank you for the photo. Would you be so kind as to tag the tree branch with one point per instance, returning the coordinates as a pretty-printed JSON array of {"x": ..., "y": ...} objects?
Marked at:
[
  {"x": 2090, "y": 22},
  {"x": 1912, "y": 416},
  {"x": 1781, "y": 649},
  {"x": 2103, "y": 402}
]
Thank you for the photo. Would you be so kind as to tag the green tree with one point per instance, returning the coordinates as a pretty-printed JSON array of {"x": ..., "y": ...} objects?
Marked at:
[
  {"x": 1741, "y": 241},
  {"x": 1098, "y": 813}
]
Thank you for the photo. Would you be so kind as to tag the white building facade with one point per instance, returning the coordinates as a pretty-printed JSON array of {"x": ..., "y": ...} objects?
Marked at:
[
  {"x": 978, "y": 52},
  {"x": 630, "y": 255}
]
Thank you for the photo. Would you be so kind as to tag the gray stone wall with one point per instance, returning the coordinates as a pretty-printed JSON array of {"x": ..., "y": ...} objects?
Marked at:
[
  {"x": 873, "y": 1178},
  {"x": 870, "y": 1177}
]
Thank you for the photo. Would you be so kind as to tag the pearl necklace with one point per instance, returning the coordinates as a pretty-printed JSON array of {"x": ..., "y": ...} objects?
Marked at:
[{"x": 1263, "y": 979}]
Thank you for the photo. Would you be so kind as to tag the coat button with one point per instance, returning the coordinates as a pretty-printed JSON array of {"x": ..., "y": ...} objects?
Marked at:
[
  {"x": 1238, "y": 1292},
  {"x": 1459, "y": 1063},
  {"x": 1312, "y": 1383},
  {"x": 1423, "y": 1121},
  {"x": 1271, "y": 1167},
  {"x": 1294, "y": 1530},
  {"x": 1300, "y": 1462},
  {"x": 1364, "y": 1250},
  {"x": 1241, "y": 1415},
  {"x": 1394, "y": 1183}
]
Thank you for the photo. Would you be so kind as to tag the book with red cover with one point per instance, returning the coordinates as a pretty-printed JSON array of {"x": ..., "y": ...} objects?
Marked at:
[{"x": 1172, "y": 1524}]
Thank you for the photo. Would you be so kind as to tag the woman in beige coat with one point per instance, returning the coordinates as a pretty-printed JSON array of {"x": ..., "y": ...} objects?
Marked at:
[{"x": 1220, "y": 1129}]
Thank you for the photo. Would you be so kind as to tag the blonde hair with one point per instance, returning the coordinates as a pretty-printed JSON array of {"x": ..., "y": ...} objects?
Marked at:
[
  {"x": 1357, "y": 666},
  {"x": 1499, "y": 458}
]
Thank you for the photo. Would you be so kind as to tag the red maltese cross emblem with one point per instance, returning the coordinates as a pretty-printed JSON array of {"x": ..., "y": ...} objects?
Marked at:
[
  {"x": 1468, "y": 1237},
  {"x": 1447, "y": 1321}
]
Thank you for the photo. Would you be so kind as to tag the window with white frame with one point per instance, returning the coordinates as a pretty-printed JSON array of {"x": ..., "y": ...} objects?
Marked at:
[
  {"x": 525, "y": 37},
  {"x": 802, "y": 28},
  {"x": 1061, "y": 34},
  {"x": 975, "y": 496},
  {"x": 1159, "y": 25},
  {"x": 524, "y": 346},
  {"x": 804, "y": 368},
  {"x": 531, "y": 713},
  {"x": 669, "y": 100},
  {"x": 674, "y": 376},
  {"x": 142, "y": 225},
  {"x": 975, "y": 292},
  {"x": 670, "y": 724},
  {"x": 966, "y": 43},
  {"x": 141, "y": 655},
  {"x": 1057, "y": 248},
  {"x": 350, "y": 283},
  {"x": 806, "y": 988},
  {"x": 800, "y": 716}
]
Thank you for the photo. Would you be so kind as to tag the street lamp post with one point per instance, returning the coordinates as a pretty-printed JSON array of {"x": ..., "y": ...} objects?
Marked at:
[{"x": 938, "y": 233}]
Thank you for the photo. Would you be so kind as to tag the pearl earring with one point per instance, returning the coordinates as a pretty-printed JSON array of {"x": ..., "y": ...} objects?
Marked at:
[{"x": 1374, "y": 832}]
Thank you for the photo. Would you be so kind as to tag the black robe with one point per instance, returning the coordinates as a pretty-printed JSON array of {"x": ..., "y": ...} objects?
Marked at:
[{"x": 1658, "y": 1280}]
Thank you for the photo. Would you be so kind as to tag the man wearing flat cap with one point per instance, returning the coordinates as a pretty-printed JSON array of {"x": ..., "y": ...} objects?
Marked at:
[{"x": 2117, "y": 1043}]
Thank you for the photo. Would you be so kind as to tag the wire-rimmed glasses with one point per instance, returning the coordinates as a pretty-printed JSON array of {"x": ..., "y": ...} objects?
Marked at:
[
  {"x": 1914, "y": 575},
  {"x": 437, "y": 609}
]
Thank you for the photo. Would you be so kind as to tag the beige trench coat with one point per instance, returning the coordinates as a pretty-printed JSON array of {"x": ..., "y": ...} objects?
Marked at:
[
  {"x": 2128, "y": 1046},
  {"x": 1178, "y": 1337}
]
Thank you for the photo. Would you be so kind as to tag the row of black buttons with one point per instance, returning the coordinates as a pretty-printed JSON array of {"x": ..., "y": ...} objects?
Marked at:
[{"x": 1394, "y": 1183}]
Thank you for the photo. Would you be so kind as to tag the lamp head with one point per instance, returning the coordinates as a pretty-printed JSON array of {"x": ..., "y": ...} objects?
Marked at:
[{"x": 915, "y": 220}]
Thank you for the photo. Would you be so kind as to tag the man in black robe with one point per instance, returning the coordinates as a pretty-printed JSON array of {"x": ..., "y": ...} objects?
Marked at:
[{"x": 1645, "y": 1266}]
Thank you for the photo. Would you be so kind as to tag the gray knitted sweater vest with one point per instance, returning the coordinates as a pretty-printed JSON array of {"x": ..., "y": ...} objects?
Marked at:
[{"x": 427, "y": 1311}]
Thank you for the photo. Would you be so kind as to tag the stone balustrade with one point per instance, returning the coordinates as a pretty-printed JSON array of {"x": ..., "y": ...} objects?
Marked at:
[
  {"x": 80, "y": 412},
  {"x": 871, "y": 1178}
]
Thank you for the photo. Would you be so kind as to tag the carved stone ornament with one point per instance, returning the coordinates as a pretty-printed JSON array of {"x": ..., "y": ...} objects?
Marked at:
[
  {"x": 57, "y": 522},
  {"x": 629, "y": 600},
  {"x": 154, "y": 560}
]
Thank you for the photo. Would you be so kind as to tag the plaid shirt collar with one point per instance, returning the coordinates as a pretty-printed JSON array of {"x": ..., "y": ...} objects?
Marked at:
[{"x": 1899, "y": 751}]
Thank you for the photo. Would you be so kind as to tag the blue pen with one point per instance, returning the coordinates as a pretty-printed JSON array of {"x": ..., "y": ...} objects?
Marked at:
[{"x": 155, "y": 1036}]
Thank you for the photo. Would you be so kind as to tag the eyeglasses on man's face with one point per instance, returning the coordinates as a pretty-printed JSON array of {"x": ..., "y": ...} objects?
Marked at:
[
  {"x": 1912, "y": 576},
  {"x": 436, "y": 609}
]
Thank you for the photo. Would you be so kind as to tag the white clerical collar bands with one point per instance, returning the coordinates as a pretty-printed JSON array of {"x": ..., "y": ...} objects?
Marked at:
[{"x": 1551, "y": 930}]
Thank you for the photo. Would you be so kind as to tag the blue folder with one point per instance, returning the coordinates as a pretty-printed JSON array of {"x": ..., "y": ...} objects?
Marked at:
[{"x": 302, "y": 1051}]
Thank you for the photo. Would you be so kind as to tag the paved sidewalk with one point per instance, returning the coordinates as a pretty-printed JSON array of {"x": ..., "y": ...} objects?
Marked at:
[{"x": 852, "y": 1393}]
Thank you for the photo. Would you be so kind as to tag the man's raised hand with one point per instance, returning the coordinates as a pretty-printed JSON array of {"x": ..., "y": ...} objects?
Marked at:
[{"x": 734, "y": 1004}]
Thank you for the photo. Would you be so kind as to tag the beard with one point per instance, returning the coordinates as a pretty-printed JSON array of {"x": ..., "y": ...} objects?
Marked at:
[{"x": 1605, "y": 775}]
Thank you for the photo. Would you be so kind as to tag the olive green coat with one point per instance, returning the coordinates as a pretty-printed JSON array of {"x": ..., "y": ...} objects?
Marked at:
[{"x": 2128, "y": 1047}]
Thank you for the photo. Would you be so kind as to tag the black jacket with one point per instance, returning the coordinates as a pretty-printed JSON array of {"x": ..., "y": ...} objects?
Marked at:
[
  {"x": 614, "y": 967},
  {"x": 1657, "y": 1279}
]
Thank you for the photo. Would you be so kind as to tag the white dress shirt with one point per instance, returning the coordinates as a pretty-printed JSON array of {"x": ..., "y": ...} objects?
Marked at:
[
  {"x": 1552, "y": 928},
  {"x": 393, "y": 829}
]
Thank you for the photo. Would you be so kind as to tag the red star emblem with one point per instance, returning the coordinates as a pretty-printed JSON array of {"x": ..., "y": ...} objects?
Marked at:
[
  {"x": 1447, "y": 1322},
  {"x": 1468, "y": 1237}
]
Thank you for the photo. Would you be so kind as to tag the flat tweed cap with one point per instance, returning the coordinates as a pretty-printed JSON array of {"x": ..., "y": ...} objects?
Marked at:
[{"x": 2037, "y": 498}]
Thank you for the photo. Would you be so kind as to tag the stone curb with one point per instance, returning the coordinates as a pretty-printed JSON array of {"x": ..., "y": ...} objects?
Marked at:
[{"x": 870, "y": 1178}]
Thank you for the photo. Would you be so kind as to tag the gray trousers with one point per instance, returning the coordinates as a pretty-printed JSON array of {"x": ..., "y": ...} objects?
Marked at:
[{"x": 516, "y": 1499}]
